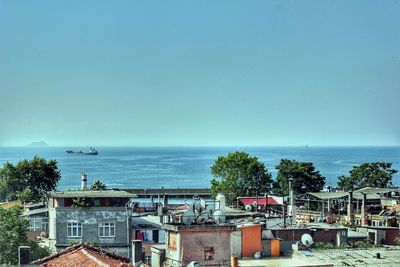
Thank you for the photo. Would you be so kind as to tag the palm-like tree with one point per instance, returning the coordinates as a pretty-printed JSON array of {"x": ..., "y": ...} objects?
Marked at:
[{"x": 98, "y": 186}]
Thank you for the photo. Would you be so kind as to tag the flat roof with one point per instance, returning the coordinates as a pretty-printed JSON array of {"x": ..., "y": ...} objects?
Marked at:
[
  {"x": 92, "y": 193},
  {"x": 356, "y": 257},
  {"x": 371, "y": 193},
  {"x": 329, "y": 195}
]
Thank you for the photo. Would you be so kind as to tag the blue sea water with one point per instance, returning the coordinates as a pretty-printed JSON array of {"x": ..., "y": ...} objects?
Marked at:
[{"x": 189, "y": 167}]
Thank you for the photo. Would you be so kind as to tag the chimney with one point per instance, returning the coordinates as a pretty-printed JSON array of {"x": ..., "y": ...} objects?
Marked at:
[
  {"x": 291, "y": 191},
  {"x": 350, "y": 209},
  {"x": 23, "y": 255},
  {"x": 292, "y": 205},
  {"x": 84, "y": 181},
  {"x": 364, "y": 200}
]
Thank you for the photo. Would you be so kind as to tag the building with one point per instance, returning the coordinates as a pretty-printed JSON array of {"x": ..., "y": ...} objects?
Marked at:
[
  {"x": 147, "y": 229},
  {"x": 38, "y": 217},
  {"x": 208, "y": 244},
  {"x": 98, "y": 217},
  {"x": 84, "y": 255}
]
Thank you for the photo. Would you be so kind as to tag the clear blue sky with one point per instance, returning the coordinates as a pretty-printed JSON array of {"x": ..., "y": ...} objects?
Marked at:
[{"x": 200, "y": 72}]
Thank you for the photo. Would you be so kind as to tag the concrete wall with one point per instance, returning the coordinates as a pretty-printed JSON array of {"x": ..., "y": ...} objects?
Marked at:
[
  {"x": 266, "y": 248},
  {"x": 290, "y": 236},
  {"x": 195, "y": 244},
  {"x": 90, "y": 218},
  {"x": 381, "y": 235},
  {"x": 208, "y": 244},
  {"x": 236, "y": 240},
  {"x": 390, "y": 236}
]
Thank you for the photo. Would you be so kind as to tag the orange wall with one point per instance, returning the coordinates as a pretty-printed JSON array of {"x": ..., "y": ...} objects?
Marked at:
[
  {"x": 275, "y": 248},
  {"x": 251, "y": 240}
]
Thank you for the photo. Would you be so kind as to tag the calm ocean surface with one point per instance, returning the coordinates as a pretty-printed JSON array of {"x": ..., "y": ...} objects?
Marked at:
[{"x": 189, "y": 167}]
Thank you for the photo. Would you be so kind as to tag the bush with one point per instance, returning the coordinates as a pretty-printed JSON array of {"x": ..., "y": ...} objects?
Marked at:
[{"x": 324, "y": 245}]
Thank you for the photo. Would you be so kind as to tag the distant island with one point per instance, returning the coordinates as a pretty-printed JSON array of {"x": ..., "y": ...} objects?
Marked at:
[{"x": 38, "y": 144}]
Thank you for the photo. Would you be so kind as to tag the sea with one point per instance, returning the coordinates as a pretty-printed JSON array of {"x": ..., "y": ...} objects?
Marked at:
[{"x": 189, "y": 167}]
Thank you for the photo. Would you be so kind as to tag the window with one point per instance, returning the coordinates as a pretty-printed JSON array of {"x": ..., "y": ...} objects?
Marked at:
[
  {"x": 38, "y": 224},
  {"x": 74, "y": 229},
  {"x": 107, "y": 229},
  {"x": 209, "y": 253}
]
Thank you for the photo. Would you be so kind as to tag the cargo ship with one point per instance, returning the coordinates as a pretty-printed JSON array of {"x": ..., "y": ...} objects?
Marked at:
[{"x": 92, "y": 151}]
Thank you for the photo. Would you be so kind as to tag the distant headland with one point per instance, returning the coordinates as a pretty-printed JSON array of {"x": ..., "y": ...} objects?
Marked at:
[{"x": 38, "y": 144}]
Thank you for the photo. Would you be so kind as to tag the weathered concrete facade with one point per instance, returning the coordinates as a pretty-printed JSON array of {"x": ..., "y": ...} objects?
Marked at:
[
  {"x": 104, "y": 221},
  {"x": 208, "y": 244}
]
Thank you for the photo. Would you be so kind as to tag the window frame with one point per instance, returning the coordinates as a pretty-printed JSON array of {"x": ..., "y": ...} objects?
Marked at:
[
  {"x": 74, "y": 225},
  {"x": 38, "y": 224},
  {"x": 102, "y": 226}
]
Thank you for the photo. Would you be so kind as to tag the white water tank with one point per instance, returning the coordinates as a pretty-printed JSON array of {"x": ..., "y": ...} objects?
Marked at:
[
  {"x": 221, "y": 201},
  {"x": 210, "y": 209},
  {"x": 219, "y": 216}
]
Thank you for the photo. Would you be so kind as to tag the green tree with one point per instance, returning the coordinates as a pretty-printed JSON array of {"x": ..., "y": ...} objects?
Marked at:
[
  {"x": 13, "y": 234},
  {"x": 98, "y": 186},
  {"x": 306, "y": 178},
  {"x": 28, "y": 180},
  {"x": 239, "y": 174},
  {"x": 375, "y": 174}
]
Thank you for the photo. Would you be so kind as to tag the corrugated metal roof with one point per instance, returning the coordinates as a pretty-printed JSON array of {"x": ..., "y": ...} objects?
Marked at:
[
  {"x": 91, "y": 193},
  {"x": 372, "y": 190},
  {"x": 272, "y": 200},
  {"x": 372, "y": 193},
  {"x": 34, "y": 212},
  {"x": 329, "y": 195}
]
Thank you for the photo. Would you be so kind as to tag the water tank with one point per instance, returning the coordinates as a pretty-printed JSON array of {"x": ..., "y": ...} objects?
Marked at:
[
  {"x": 219, "y": 216},
  {"x": 187, "y": 217},
  {"x": 197, "y": 207},
  {"x": 202, "y": 218},
  {"x": 221, "y": 201}
]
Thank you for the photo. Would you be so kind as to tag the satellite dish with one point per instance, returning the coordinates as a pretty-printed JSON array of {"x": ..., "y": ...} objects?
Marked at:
[
  {"x": 219, "y": 216},
  {"x": 187, "y": 217},
  {"x": 210, "y": 209},
  {"x": 248, "y": 207},
  {"x": 306, "y": 240}
]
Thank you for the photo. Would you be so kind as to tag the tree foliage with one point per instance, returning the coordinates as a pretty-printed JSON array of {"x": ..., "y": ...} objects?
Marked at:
[
  {"x": 306, "y": 178},
  {"x": 28, "y": 180},
  {"x": 98, "y": 186},
  {"x": 13, "y": 234},
  {"x": 375, "y": 174},
  {"x": 239, "y": 174}
]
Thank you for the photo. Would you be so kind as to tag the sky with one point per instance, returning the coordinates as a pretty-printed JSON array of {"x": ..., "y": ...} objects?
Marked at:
[{"x": 200, "y": 73}]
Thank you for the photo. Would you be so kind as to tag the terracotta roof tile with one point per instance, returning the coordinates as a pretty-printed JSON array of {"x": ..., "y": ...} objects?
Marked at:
[{"x": 83, "y": 255}]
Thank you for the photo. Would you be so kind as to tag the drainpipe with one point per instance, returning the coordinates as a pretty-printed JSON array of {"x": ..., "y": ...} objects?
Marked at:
[{"x": 128, "y": 229}]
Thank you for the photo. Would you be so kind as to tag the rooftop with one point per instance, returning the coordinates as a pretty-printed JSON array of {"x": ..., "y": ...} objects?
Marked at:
[
  {"x": 355, "y": 257},
  {"x": 371, "y": 193},
  {"x": 83, "y": 255},
  {"x": 91, "y": 193}
]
